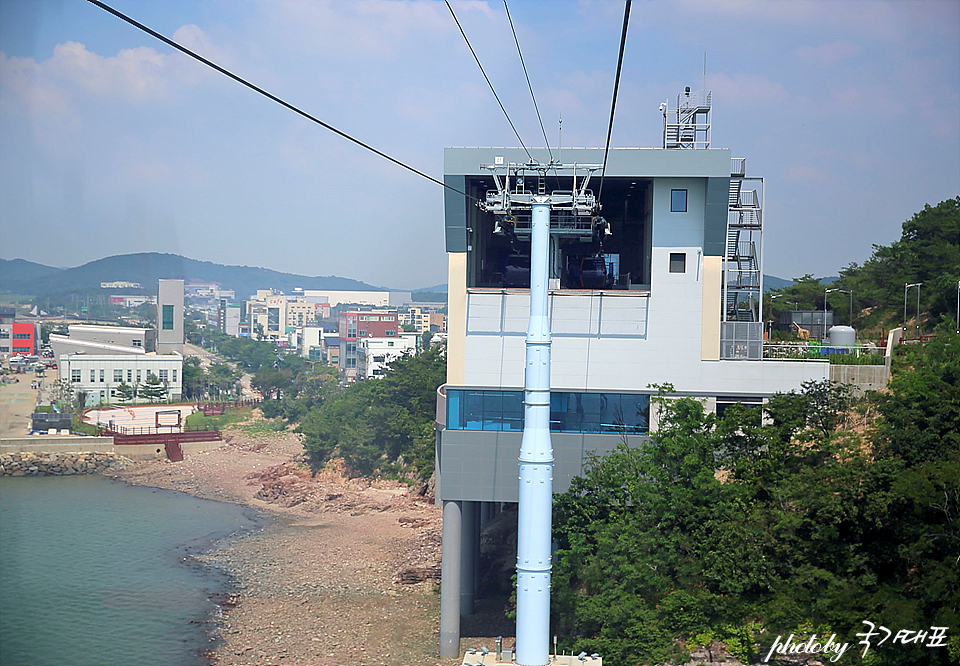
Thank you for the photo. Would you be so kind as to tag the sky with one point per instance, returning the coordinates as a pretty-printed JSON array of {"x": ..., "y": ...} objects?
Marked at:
[{"x": 111, "y": 142}]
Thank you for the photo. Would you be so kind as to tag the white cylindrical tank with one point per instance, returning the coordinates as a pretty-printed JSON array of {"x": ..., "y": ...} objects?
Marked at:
[{"x": 842, "y": 336}]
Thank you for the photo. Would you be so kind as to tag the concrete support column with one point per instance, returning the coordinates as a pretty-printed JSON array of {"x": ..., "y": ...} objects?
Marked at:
[
  {"x": 469, "y": 532},
  {"x": 450, "y": 580}
]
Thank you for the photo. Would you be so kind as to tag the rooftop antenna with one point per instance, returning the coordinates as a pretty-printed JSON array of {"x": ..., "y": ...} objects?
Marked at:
[{"x": 560, "y": 141}]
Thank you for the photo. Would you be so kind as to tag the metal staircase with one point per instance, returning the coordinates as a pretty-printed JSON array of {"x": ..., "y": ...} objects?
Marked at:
[
  {"x": 688, "y": 126},
  {"x": 742, "y": 325}
]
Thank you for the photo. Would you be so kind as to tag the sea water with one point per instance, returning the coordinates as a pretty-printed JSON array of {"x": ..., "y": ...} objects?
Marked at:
[{"x": 96, "y": 572}]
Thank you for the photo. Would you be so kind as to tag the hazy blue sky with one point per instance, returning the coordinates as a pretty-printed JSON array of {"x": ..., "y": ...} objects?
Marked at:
[{"x": 111, "y": 142}]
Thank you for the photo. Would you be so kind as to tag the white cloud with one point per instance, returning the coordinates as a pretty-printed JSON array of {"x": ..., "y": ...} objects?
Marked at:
[
  {"x": 747, "y": 90},
  {"x": 828, "y": 55},
  {"x": 135, "y": 75}
]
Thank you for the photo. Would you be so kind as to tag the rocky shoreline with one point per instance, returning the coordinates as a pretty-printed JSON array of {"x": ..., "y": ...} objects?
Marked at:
[
  {"x": 61, "y": 464},
  {"x": 345, "y": 572}
]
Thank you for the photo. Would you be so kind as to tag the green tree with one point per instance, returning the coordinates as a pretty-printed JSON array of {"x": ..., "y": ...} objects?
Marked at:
[
  {"x": 768, "y": 522},
  {"x": 194, "y": 378},
  {"x": 223, "y": 379},
  {"x": 270, "y": 383},
  {"x": 153, "y": 389},
  {"x": 382, "y": 425},
  {"x": 125, "y": 393}
]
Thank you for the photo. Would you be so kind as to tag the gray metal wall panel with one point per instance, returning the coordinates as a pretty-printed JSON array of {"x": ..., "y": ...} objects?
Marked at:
[
  {"x": 483, "y": 466},
  {"x": 715, "y": 216},
  {"x": 455, "y": 213}
]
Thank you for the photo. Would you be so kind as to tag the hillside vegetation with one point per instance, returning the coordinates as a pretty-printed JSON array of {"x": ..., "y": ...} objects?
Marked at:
[
  {"x": 810, "y": 516},
  {"x": 928, "y": 252}
]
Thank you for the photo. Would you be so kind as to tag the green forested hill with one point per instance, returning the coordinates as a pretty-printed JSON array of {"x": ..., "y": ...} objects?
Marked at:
[{"x": 148, "y": 267}]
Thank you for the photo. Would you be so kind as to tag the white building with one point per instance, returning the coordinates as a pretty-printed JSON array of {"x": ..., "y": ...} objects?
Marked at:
[
  {"x": 125, "y": 336},
  {"x": 170, "y": 316},
  {"x": 379, "y": 299},
  {"x": 100, "y": 375},
  {"x": 375, "y": 354}
]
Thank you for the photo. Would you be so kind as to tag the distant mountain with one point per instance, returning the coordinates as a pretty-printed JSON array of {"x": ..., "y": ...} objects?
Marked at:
[
  {"x": 19, "y": 270},
  {"x": 773, "y": 282},
  {"x": 439, "y": 289},
  {"x": 147, "y": 268}
]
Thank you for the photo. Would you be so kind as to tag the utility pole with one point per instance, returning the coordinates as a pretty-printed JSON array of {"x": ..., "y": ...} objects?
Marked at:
[
  {"x": 535, "y": 512},
  {"x": 905, "y": 288}
]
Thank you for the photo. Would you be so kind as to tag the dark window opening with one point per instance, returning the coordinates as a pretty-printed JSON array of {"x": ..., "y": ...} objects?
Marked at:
[
  {"x": 168, "y": 317},
  {"x": 582, "y": 254},
  {"x": 678, "y": 262},
  {"x": 678, "y": 201}
]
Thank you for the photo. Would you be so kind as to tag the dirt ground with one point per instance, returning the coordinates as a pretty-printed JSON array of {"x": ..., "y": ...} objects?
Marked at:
[{"x": 347, "y": 572}]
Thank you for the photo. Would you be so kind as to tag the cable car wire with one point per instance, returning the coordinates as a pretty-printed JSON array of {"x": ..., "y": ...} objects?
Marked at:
[
  {"x": 616, "y": 87},
  {"x": 506, "y": 115},
  {"x": 529, "y": 85},
  {"x": 268, "y": 95}
]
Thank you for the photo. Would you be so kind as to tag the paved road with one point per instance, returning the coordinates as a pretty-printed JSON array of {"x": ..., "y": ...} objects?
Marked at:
[
  {"x": 209, "y": 358},
  {"x": 16, "y": 405}
]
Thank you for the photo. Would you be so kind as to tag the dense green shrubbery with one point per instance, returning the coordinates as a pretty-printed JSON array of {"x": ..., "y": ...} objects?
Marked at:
[
  {"x": 744, "y": 528},
  {"x": 379, "y": 426}
]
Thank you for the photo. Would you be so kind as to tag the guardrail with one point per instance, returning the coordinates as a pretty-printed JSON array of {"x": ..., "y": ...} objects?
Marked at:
[{"x": 867, "y": 354}]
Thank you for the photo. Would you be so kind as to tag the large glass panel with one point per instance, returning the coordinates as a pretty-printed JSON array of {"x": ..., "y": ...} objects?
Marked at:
[
  {"x": 569, "y": 412},
  {"x": 168, "y": 317},
  {"x": 492, "y": 410},
  {"x": 513, "y": 410},
  {"x": 453, "y": 410},
  {"x": 473, "y": 410}
]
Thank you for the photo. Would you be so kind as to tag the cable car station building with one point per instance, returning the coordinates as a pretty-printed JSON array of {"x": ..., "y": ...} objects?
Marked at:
[{"x": 662, "y": 287}]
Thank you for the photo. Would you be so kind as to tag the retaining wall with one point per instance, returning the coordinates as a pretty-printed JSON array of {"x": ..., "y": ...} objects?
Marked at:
[
  {"x": 51, "y": 444},
  {"x": 60, "y": 464},
  {"x": 861, "y": 377}
]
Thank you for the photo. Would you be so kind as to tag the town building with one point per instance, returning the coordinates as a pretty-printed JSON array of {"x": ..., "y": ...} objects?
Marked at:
[
  {"x": 661, "y": 287},
  {"x": 170, "y": 316},
  {"x": 118, "y": 339},
  {"x": 423, "y": 319},
  {"x": 358, "y": 324},
  {"x": 120, "y": 284},
  {"x": 377, "y": 299},
  {"x": 98, "y": 375},
  {"x": 131, "y": 301},
  {"x": 374, "y": 355},
  {"x": 228, "y": 317},
  {"x": 18, "y": 338}
]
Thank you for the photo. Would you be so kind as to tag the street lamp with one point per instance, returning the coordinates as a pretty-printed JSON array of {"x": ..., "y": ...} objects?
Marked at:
[
  {"x": 849, "y": 292},
  {"x": 905, "y": 288}
]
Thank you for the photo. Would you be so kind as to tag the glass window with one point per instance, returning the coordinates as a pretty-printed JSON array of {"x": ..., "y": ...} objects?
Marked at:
[
  {"x": 174, "y": 374},
  {"x": 117, "y": 375},
  {"x": 102, "y": 375},
  {"x": 678, "y": 262},
  {"x": 569, "y": 412},
  {"x": 678, "y": 201},
  {"x": 138, "y": 375},
  {"x": 129, "y": 375},
  {"x": 75, "y": 375},
  {"x": 168, "y": 317},
  {"x": 163, "y": 376},
  {"x": 93, "y": 376}
]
